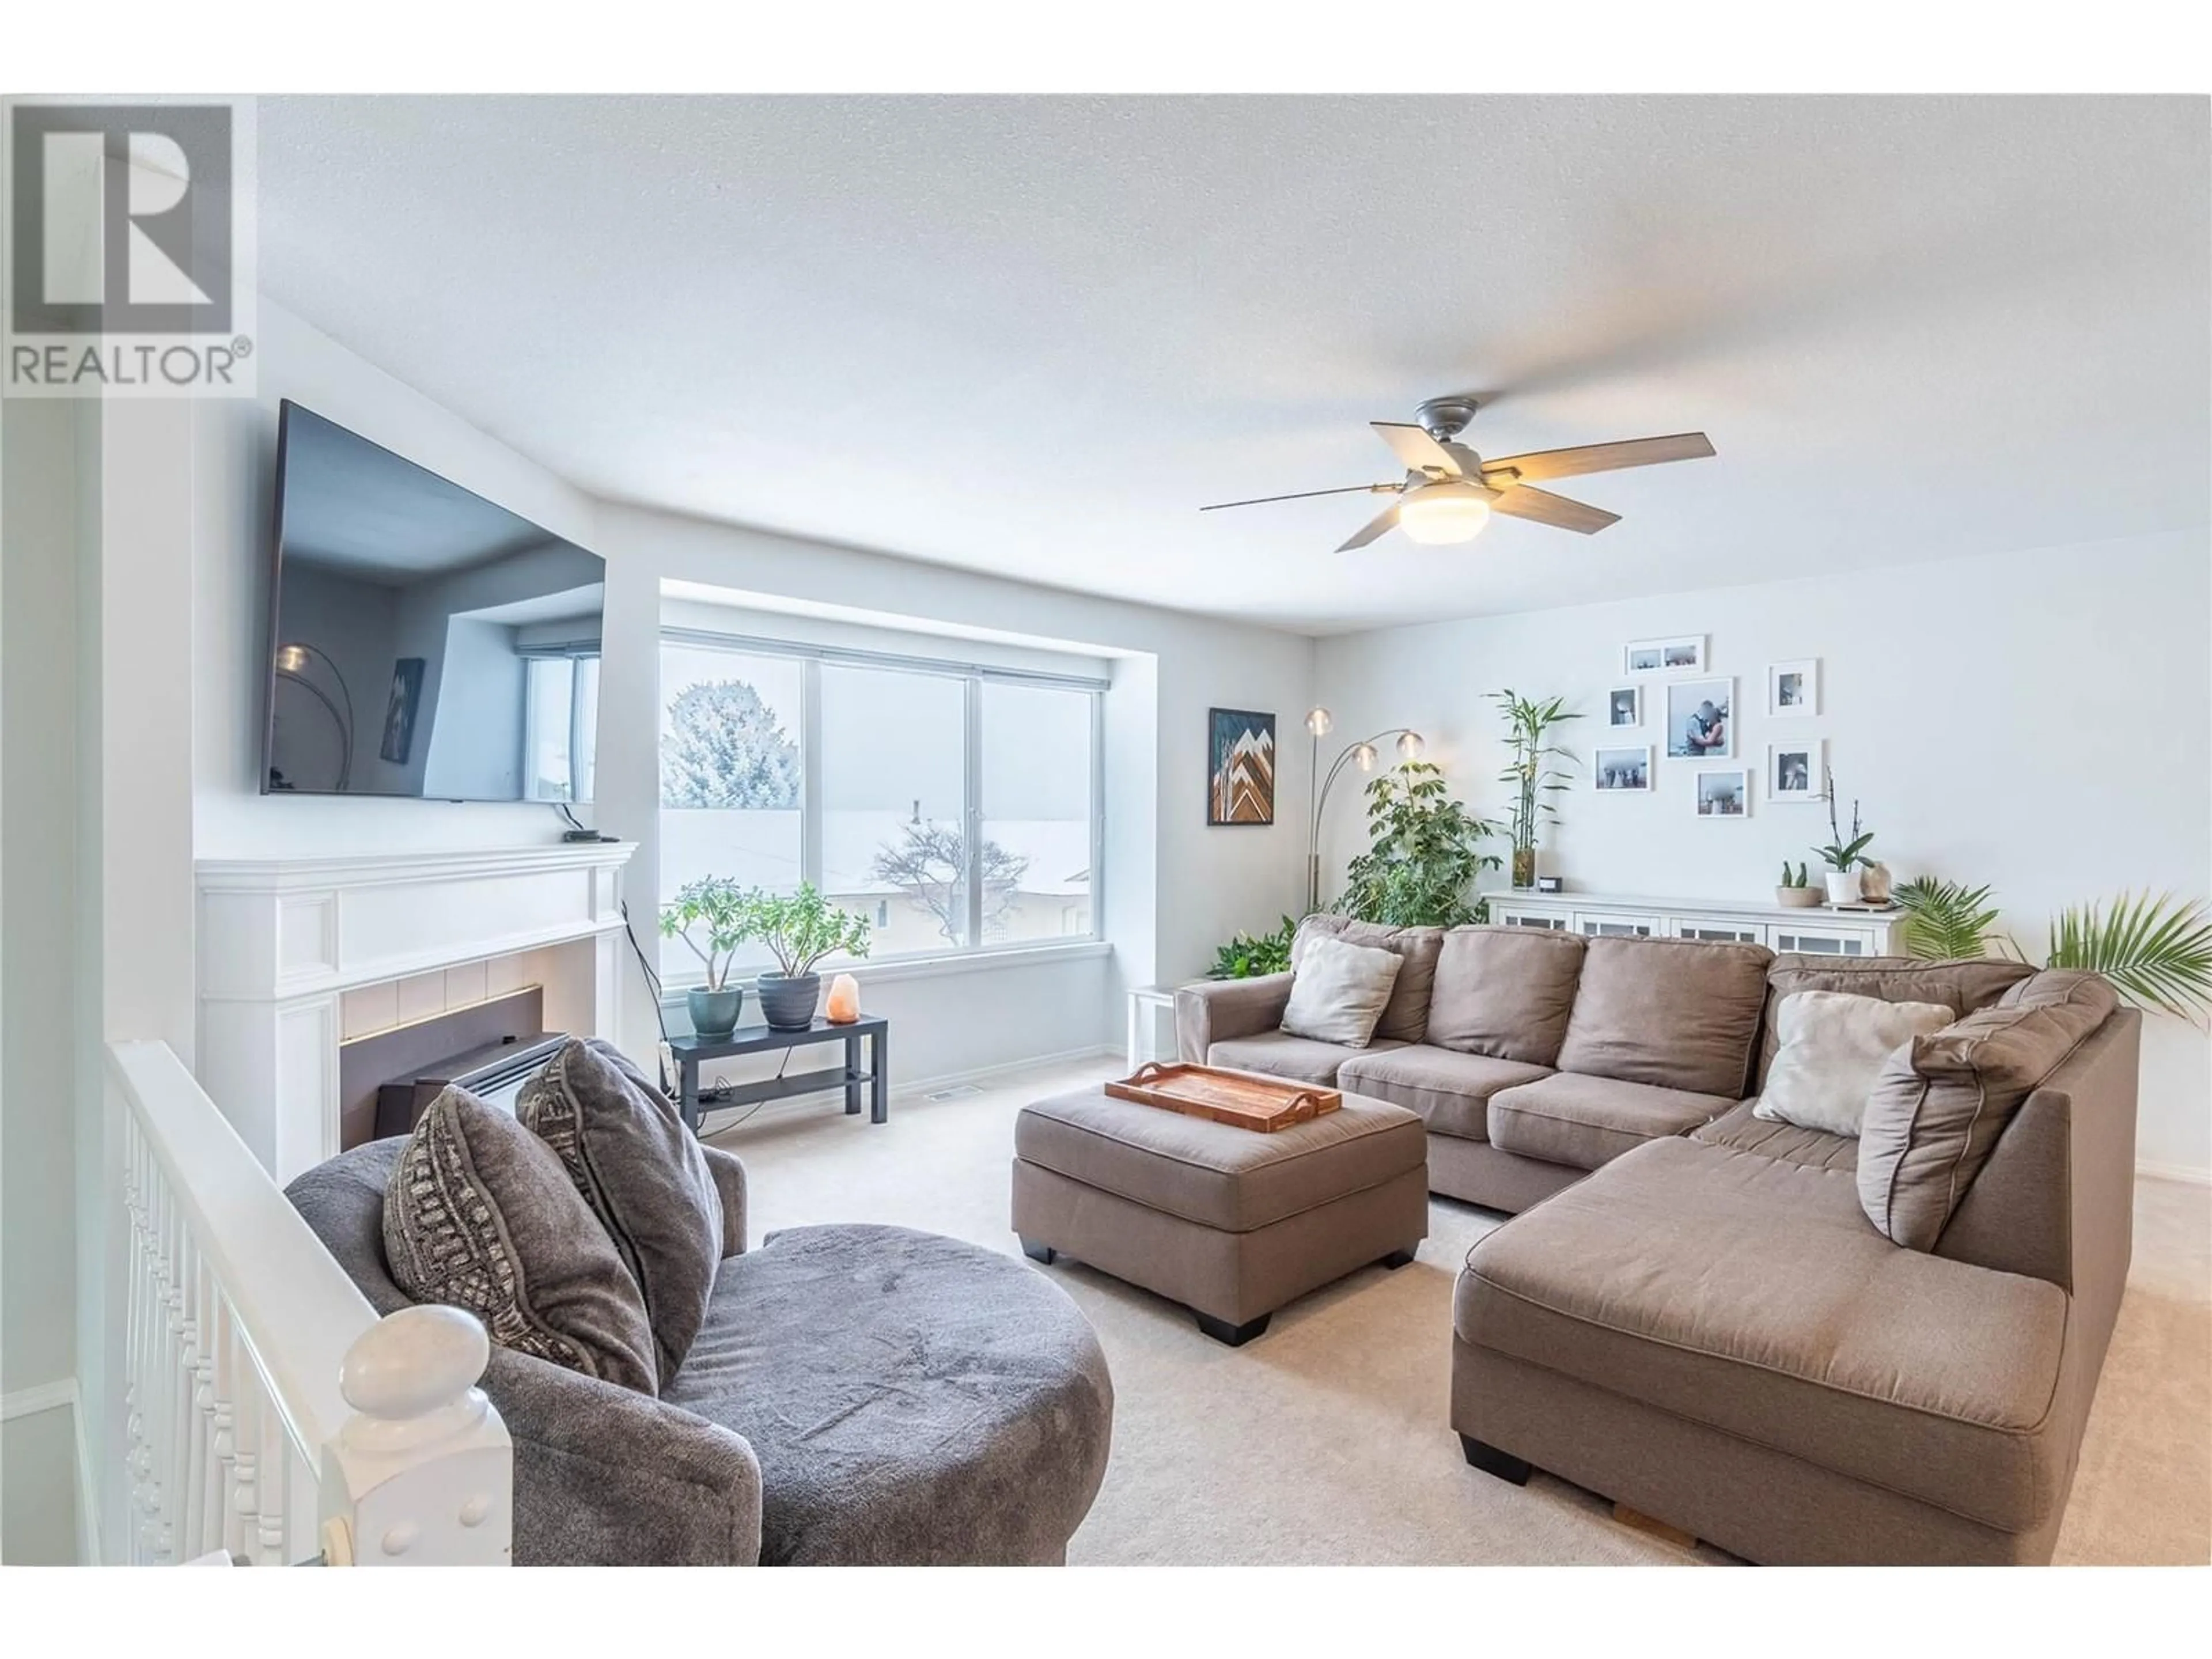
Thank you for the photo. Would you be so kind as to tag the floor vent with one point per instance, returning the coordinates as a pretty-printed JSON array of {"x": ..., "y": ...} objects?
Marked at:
[{"x": 957, "y": 1091}]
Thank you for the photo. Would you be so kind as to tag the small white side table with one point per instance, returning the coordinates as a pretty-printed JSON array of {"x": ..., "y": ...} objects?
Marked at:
[{"x": 1145, "y": 1001}]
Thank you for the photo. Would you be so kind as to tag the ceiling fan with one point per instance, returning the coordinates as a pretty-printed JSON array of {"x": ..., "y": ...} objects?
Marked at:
[{"x": 1448, "y": 491}]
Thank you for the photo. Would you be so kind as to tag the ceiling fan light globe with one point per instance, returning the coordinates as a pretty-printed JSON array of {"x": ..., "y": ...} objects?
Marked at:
[{"x": 1439, "y": 514}]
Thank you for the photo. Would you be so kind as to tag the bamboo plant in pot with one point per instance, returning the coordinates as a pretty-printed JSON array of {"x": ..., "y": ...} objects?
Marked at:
[
  {"x": 714, "y": 907},
  {"x": 799, "y": 929},
  {"x": 1530, "y": 771}
]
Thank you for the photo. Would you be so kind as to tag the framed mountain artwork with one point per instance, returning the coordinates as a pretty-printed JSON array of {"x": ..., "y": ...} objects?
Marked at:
[{"x": 1240, "y": 785}]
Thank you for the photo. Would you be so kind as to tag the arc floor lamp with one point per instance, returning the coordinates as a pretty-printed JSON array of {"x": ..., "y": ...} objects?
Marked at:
[{"x": 1362, "y": 754}]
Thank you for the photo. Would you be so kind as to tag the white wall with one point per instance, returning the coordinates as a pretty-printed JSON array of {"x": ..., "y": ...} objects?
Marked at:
[{"x": 2036, "y": 721}]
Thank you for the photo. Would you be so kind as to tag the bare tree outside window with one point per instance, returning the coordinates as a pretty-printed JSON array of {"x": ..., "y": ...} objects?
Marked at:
[
  {"x": 725, "y": 748},
  {"x": 929, "y": 865}
]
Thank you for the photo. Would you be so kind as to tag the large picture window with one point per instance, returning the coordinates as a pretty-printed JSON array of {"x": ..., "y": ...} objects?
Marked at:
[{"x": 953, "y": 806}]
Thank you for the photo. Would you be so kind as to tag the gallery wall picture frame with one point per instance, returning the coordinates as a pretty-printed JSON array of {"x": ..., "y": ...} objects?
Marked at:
[
  {"x": 399, "y": 708},
  {"x": 1723, "y": 792},
  {"x": 1624, "y": 708},
  {"x": 1701, "y": 718},
  {"x": 1793, "y": 689},
  {"x": 1794, "y": 770},
  {"x": 1685, "y": 653},
  {"x": 1240, "y": 761},
  {"x": 1622, "y": 770}
]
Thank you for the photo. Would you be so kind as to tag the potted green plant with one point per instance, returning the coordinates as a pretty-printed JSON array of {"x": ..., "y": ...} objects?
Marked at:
[
  {"x": 713, "y": 907},
  {"x": 1247, "y": 955},
  {"x": 1796, "y": 891},
  {"x": 799, "y": 929},
  {"x": 1845, "y": 858},
  {"x": 1425, "y": 850},
  {"x": 2155, "y": 949},
  {"x": 1535, "y": 780}
]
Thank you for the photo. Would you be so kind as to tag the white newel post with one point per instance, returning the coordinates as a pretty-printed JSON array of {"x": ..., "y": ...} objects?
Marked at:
[{"x": 422, "y": 1473}]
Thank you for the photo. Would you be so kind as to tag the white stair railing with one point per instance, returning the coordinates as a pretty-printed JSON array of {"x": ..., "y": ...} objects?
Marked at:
[{"x": 269, "y": 1412}]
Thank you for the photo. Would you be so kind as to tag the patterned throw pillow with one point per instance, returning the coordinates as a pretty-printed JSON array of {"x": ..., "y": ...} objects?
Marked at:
[
  {"x": 642, "y": 1171},
  {"x": 481, "y": 1215}
]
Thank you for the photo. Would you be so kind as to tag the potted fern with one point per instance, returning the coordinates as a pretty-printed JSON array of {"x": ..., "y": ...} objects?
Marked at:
[
  {"x": 1535, "y": 779},
  {"x": 713, "y": 907},
  {"x": 799, "y": 929}
]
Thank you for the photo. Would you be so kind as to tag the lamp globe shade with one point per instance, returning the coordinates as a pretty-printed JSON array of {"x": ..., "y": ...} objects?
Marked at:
[{"x": 1437, "y": 514}]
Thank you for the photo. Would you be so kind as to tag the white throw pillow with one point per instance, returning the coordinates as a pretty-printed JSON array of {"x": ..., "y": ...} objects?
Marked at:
[
  {"x": 1833, "y": 1049},
  {"x": 1338, "y": 991}
]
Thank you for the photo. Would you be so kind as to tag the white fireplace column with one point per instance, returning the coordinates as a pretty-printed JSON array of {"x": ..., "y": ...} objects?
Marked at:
[{"x": 281, "y": 939}]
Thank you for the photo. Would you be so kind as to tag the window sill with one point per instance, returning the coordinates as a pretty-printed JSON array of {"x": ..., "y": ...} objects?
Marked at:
[{"x": 891, "y": 972}]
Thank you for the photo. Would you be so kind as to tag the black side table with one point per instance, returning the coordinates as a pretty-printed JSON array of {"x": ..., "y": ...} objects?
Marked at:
[{"x": 764, "y": 1039}]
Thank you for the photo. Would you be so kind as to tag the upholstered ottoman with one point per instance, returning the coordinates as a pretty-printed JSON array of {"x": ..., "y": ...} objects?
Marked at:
[{"x": 1231, "y": 1223}]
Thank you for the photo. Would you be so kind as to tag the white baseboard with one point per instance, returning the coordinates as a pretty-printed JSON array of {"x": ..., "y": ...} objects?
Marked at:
[
  {"x": 982, "y": 1074},
  {"x": 2187, "y": 1174},
  {"x": 61, "y": 1394}
]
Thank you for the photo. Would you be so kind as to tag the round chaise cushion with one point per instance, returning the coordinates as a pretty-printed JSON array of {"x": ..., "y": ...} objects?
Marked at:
[{"x": 913, "y": 1400}]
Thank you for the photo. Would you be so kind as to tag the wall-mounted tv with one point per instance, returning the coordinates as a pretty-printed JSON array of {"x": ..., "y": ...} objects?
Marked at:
[{"x": 423, "y": 640}]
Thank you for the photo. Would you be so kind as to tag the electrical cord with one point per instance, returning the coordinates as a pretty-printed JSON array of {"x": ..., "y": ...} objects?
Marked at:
[
  {"x": 652, "y": 984},
  {"x": 722, "y": 1083}
]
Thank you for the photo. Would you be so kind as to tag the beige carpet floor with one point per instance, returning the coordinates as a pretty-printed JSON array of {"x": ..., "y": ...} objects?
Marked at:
[{"x": 1326, "y": 1440}]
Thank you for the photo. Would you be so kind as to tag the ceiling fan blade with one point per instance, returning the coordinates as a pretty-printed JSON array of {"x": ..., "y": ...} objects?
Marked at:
[
  {"x": 1599, "y": 458},
  {"x": 1419, "y": 452},
  {"x": 1300, "y": 495},
  {"x": 1540, "y": 505},
  {"x": 1381, "y": 525}
]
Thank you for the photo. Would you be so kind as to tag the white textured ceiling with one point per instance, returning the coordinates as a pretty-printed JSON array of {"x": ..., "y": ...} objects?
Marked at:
[{"x": 1031, "y": 337}]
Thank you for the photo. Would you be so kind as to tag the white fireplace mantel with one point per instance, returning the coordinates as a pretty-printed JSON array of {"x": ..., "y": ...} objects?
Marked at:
[{"x": 282, "y": 937}]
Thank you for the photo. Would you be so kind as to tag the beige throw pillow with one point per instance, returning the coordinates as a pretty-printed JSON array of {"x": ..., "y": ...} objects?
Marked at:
[
  {"x": 1338, "y": 991},
  {"x": 1833, "y": 1047},
  {"x": 1939, "y": 1105}
]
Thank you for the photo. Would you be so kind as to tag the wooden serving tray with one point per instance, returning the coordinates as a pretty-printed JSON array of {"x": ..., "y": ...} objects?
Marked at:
[{"x": 1235, "y": 1098}]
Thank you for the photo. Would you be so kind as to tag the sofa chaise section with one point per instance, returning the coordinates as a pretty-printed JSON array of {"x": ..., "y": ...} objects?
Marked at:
[{"x": 1710, "y": 1330}]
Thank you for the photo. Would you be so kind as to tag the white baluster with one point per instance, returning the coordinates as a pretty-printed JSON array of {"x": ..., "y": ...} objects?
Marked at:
[
  {"x": 424, "y": 1470},
  {"x": 222, "y": 1448},
  {"x": 166, "y": 1465},
  {"x": 134, "y": 1339},
  {"x": 244, "y": 1539},
  {"x": 268, "y": 1546}
]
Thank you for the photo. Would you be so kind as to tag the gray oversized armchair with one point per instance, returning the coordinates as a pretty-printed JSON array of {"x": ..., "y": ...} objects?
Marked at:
[{"x": 858, "y": 1395}]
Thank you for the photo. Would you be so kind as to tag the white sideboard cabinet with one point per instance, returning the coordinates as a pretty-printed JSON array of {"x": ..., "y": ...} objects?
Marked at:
[{"x": 1819, "y": 931}]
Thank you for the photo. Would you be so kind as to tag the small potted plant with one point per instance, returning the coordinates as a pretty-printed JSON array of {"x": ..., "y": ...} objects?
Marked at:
[
  {"x": 799, "y": 929},
  {"x": 715, "y": 906},
  {"x": 1796, "y": 891},
  {"x": 1844, "y": 858}
]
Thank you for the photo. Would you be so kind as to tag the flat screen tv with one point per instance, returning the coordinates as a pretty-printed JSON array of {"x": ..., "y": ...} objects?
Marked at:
[{"x": 423, "y": 640}]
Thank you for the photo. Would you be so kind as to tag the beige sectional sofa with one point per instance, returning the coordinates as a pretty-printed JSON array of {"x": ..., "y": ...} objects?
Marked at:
[
  {"x": 1703, "y": 1318},
  {"x": 1532, "y": 1056}
]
